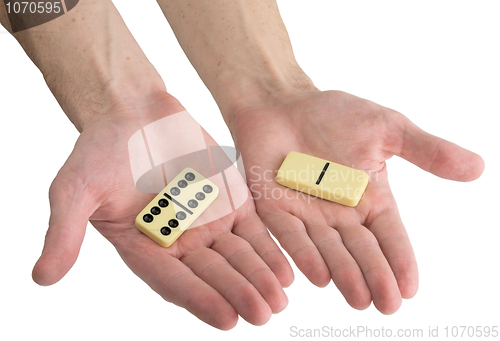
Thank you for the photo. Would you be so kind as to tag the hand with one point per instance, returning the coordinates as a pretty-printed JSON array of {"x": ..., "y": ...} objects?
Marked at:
[
  {"x": 365, "y": 250},
  {"x": 215, "y": 271}
]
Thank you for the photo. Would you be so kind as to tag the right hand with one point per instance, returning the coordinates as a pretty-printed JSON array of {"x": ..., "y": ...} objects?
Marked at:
[{"x": 217, "y": 271}]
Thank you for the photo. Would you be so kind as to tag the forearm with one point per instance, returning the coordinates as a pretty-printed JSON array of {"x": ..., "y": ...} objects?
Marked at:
[
  {"x": 90, "y": 62},
  {"x": 240, "y": 49}
]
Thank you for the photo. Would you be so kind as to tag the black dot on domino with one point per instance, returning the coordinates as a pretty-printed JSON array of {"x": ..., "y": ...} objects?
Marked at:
[
  {"x": 181, "y": 215},
  {"x": 200, "y": 196},
  {"x": 173, "y": 223},
  {"x": 163, "y": 203},
  {"x": 182, "y": 184},
  {"x": 175, "y": 191},
  {"x": 193, "y": 203},
  {"x": 156, "y": 210},
  {"x": 207, "y": 189},
  {"x": 165, "y": 231},
  {"x": 189, "y": 176},
  {"x": 148, "y": 218}
]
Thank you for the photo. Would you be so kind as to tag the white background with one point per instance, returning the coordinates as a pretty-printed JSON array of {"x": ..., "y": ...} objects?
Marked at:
[{"x": 436, "y": 62}]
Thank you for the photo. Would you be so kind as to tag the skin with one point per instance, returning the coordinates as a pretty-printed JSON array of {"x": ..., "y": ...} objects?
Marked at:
[
  {"x": 242, "y": 52},
  {"x": 365, "y": 250},
  {"x": 109, "y": 90}
]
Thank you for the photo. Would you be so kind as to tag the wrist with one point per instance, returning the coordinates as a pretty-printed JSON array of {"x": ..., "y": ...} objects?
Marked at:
[
  {"x": 239, "y": 92},
  {"x": 101, "y": 87},
  {"x": 119, "y": 97}
]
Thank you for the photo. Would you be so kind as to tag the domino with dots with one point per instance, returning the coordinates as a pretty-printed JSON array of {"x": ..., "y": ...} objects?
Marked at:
[{"x": 175, "y": 208}]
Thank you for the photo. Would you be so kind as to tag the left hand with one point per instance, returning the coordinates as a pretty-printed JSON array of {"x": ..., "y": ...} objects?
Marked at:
[{"x": 365, "y": 249}]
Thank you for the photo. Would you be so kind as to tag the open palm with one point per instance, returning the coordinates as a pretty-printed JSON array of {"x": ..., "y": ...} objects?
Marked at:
[
  {"x": 365, "y": 250},
  {"x": 216, "y": 271}
]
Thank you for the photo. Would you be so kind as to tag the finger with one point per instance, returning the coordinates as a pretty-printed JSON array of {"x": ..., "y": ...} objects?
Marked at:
[
  {"x": 344, "y": 270},
  {"x": 245, "y": 260},
  {"x": 292, "y": 236},
  {"x": 253, "y": 231},
  {"x": 212, "y": 268},
  {"x": 383, "y": 220},
  {"x": 70, "y": 209},
  {"x": 363, "y": 246},
  {"x": 395, "y": 244},
  {"x": 436, "y": 155},
  {"x": 175, "y": 282}
]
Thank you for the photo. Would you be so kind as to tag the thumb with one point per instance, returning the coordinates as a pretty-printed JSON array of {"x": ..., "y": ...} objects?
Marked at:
[
  {"x": 436, "y": 155},
  {"x": 68, "y": 220}
]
